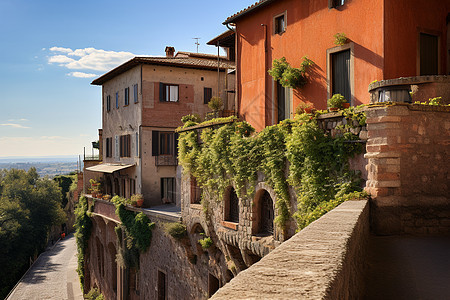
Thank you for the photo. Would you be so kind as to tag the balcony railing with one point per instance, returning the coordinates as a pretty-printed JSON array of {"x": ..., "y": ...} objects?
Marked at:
[
  {"x": 91, "y": 157},
  {"x": 166, "y": 160}
]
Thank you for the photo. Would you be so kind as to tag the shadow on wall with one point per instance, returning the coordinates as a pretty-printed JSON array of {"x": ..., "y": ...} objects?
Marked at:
[{"x": 317, "y": 83}]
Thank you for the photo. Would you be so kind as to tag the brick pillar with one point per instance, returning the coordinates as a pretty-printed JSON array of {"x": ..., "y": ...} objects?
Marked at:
[
  {"x": 408, "y": 176},
  {"x": 383, "y": 153}
]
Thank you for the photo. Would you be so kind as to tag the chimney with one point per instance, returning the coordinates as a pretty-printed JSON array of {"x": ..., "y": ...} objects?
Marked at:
[{"x": 170, "y": 51}]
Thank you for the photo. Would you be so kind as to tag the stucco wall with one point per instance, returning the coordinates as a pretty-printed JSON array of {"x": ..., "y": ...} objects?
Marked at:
[
  {"x": 310, "y": 30},
  {"x": 403, "y": 22}
]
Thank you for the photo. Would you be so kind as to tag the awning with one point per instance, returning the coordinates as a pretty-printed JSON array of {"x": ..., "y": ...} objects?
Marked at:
[{"x": 108, "y": 168}]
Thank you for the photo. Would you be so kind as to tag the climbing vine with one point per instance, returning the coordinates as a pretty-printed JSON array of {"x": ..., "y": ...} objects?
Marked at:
[
  {"x": 83, "y": 225},
  {"x": 233, "y": 154},
  {"x": 136, "y": 230}
]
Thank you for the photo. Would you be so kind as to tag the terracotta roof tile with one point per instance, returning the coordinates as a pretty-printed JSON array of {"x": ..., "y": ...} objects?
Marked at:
[
  {"x": 246, "y": 10},
  {"x": 182, "y": 62}
]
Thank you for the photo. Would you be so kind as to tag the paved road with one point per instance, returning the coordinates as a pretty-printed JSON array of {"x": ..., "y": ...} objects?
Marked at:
[{"x": 53, "y": 276}]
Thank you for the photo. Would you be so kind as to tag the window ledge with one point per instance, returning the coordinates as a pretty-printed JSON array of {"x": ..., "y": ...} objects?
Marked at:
[
  {"x": 230, "y": 225},
  {"x": 196, "y": 206}
]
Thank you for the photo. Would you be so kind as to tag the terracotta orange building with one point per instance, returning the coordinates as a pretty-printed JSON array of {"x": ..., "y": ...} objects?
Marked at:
[{"x": 385, "y": 39}]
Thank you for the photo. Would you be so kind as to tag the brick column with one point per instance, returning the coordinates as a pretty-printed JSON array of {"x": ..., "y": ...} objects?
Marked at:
[{"x": 408, "y": 176}]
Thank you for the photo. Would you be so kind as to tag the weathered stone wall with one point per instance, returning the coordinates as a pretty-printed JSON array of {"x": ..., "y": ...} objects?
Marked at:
[
  {"x": 408, "y": 168},
  {"x": 323, "y": 261}
]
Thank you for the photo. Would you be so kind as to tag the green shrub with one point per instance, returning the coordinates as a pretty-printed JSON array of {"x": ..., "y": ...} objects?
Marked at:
[
  {"x": 336, "y": 101},
  {"x": 340, "y": 39},
  {"x": 176, "y": 230},
  {"x": 206, "y": 242},
  {"x": 191, "y": 117},
  {"x": 215, "y": 103},
  {"x": 288, "y": 76},
  {"x": 94, "y": 294}
]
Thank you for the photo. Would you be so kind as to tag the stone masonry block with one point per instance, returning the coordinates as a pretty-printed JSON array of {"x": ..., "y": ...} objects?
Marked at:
[
  {"x": 384, "y": 119},
  {"x": 382, "y": 126}
]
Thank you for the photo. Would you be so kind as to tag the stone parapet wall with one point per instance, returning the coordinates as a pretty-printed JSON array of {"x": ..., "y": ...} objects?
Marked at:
[
  {"x": 408, "y": 154},
  {"x": 323, "y": 261}
]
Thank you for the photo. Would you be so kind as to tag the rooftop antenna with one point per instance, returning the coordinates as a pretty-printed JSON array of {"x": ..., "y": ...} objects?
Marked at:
[{"x": 196, "y": 42}]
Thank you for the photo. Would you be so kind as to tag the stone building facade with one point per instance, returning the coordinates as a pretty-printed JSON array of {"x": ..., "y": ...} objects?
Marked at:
[{"x": 143, "y": 101}]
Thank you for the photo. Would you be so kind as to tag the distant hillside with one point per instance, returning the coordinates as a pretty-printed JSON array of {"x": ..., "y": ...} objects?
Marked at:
[{"x": 45, "y": 166}]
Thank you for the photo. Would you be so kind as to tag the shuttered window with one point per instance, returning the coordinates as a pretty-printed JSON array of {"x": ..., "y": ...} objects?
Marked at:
[
  {"x": 117, "y": 99},
  {"x": 283, "y": 102},
  {"x": 340, "y": 70},
  {"x": 280, "y": 24},
  {"x": 126, "y": 96},
  {"x": 108, "y": 103},
  {"x": 135, "y": 93},
  {"x": 125, "y": 143},
  {"x": 168, "y": 92},
  {"x": 207, "y": 95},
  {"x": 428, "y": 54},
  {"x": 108, "y": 149},
  {"x": 164, "y": 143},
  {"x": 116, "y": 147}
]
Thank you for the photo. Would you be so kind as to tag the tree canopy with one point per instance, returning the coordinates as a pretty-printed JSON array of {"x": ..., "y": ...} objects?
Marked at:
[{"x": 29, "y": 207}]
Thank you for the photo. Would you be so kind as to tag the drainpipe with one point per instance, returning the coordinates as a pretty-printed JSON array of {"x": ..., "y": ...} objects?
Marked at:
[
  {"x": 218, "y": 69},
  {"x": 265, "y": 74}
]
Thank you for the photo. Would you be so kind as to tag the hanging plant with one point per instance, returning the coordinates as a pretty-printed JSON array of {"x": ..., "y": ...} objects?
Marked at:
[
  {"x": 288, "y": 76},
  {"x": 340, "y": 39}
]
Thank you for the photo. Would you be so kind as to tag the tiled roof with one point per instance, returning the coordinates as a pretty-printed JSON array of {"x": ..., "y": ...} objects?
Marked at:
[
  {"x": 247, "y": 10},
  {"x": 188, "y": 62},
  {"x": 197, "y": 55},
  {"x": 182, "y": 62}
]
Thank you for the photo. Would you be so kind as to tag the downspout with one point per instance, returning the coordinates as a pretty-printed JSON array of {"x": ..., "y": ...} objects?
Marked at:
[
  {"x": 265, "y": 77},
  {"x": 236, "y": 86},
  {"x": 218, "y": 69}
]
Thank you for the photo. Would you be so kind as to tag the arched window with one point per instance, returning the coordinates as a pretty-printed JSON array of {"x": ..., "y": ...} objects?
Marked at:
[
  {"x": 100, "y": 260},
  {"x": 231, "y": 206},
  {"x": 113, "y": 264},
  {"x": 267, "y": 214},
  {"x": 263, "y": 212}
]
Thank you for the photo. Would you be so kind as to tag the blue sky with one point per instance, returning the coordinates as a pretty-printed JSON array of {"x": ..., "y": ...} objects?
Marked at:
[{"x": 51, "y": 51}]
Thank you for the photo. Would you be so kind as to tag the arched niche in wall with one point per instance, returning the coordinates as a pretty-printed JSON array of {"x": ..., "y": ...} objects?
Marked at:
[
  {"x": 113, "y": 265},
  {"x": 231, "y": 205},
  {"x": 263, "y": 214}
]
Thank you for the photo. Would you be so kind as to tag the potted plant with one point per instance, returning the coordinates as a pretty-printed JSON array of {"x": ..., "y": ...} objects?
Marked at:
[
  {"x": 304, "y": 107},
  {"x": 340, "y": 39},
  {"x": 95, "y": 188},
  {"x": 107, "y": 197},
  {"x": 139, "y": 200},
  {"x": 336, "y": 102}
]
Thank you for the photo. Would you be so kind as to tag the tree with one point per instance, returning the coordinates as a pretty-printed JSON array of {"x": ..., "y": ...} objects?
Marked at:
[{"x": 29, "y": 206}]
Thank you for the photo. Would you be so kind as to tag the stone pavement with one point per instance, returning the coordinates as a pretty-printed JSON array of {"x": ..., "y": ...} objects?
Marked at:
[{"x": 53, "y": 275}]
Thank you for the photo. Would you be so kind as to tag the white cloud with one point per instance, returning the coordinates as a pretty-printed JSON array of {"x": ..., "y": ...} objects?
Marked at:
[
  {"x": 82, "y": 75},
  {"x": 18, "y": 120},
  {"x": 88, "y": 58},
  {"x": 60, "y": 59},
  {"x": 14, "y": 125},
  {"x": 59, "y": 49}
]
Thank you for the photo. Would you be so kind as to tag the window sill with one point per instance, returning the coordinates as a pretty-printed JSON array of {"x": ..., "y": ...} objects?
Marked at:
[
  {"x": 196, "y": 206},
  {"x": 230, "y": 225}
]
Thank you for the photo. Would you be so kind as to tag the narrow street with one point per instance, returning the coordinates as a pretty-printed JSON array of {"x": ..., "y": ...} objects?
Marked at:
[{"x": 53, "y": 276}]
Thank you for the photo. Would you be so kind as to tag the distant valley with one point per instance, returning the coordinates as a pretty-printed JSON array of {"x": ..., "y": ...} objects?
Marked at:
[{"x": 45, "y": 166}]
